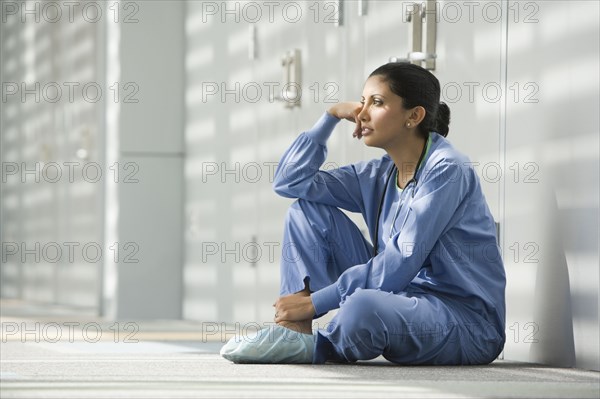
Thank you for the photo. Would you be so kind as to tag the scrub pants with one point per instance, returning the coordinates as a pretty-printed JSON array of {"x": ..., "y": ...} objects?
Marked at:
[{"x": 320, "y": 243}]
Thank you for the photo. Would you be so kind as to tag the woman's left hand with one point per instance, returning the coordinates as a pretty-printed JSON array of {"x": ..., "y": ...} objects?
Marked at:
[{"x": 294, "y": 308}]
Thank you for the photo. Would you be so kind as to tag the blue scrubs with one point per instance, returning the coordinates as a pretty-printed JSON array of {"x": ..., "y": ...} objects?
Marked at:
[{"x": 434, "y": 293}]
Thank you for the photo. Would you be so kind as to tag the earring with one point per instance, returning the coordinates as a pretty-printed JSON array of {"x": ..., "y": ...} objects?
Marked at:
[{"x": 408, "y": 124}]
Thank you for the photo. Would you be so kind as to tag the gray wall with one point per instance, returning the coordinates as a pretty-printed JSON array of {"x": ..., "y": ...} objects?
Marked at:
[
  {"x": 148, "y": 138},
  {"x": 53, "y": 214},
  {"x": 117, "y": 203}
]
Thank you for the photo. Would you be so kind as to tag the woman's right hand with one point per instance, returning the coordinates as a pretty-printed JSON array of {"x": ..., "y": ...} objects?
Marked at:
[{"x": 348, "y": 111}]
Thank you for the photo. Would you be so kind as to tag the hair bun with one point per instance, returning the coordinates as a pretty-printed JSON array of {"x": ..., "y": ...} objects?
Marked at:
[{"x": 442, "y": 119}]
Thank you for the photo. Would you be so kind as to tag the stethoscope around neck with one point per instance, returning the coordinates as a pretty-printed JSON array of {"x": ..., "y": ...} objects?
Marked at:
[{"x": 391, "y": 173}]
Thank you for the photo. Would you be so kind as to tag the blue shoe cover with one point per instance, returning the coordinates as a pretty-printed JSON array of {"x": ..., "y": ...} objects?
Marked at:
[{"x": 274, "y": 344}]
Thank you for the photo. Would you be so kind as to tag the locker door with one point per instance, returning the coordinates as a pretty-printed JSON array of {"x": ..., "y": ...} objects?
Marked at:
[
  {"x": 50, "y": 128},
  {"x": 79, "y": 214},
  {"x": 207, "y": 279},
  {"x": 551, "y": 196},
  {"x": 318, "y": 38}
]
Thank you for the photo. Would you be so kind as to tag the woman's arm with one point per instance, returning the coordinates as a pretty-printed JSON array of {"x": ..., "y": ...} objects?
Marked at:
[{"x": 298, "y": 174}]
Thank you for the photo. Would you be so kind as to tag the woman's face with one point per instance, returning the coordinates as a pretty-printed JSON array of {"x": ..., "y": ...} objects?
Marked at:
[{"x": 383, "y": 118}]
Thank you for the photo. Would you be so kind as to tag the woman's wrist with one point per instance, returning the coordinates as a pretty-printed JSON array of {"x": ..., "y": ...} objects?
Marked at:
[
  {"x": 331, "y": 111},
  {"x": 307, "y": 308}
]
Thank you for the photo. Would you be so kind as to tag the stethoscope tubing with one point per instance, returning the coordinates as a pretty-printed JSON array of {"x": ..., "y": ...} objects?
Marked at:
[{"x": 413, "y": 180}]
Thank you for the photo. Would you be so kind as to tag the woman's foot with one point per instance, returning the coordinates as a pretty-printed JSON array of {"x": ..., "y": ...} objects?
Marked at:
[{"x": 274, "y": 344}]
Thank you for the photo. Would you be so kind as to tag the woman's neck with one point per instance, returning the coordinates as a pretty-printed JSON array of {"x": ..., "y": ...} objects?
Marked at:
[{"x": 406, "y": 154}]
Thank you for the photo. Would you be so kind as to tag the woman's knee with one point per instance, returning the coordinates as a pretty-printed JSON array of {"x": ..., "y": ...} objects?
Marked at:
[
  {"x": 308, "y": 210},
  {"x": 360, "y": 331},
  {"x": 319, "y": 217},
  {"x": 362, "y": 310},
  {"x": 315, "y": 208}
]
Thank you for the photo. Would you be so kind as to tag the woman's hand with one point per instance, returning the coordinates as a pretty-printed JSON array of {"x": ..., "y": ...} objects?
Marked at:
[
  {"x": 348, "y": 111},
  {"x": 294, "y": 308}
]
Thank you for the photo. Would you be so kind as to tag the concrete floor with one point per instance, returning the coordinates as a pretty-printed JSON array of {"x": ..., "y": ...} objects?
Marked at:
[{"x": 52, "y": 356}]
